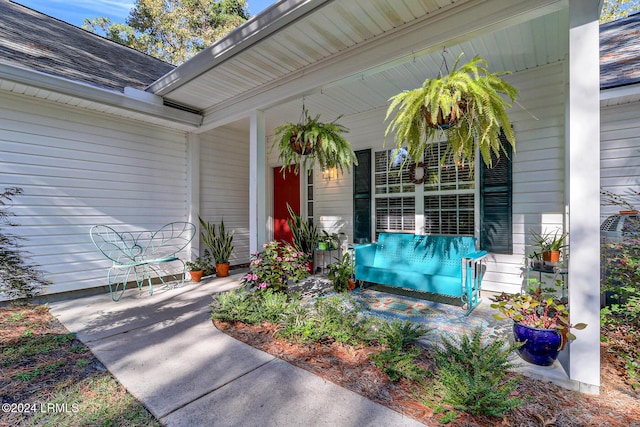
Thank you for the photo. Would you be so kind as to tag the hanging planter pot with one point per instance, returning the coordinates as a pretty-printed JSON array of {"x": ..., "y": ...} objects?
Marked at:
[
  {"x": 447, "y": 120},
  {"x": 309, "y": 140},
  {"x": 467, "y": 107},
  {"x": 299, "y": 146}
]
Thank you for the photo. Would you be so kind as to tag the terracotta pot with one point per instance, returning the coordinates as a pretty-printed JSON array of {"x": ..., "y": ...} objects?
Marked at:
[
  {"x": 551, "y": 256},
  {"x": 352, "y": 284},
  {"x": 310, "y": 267},
  {"x": 196, "y": 276},
  {"x": 222, "y": 270}
]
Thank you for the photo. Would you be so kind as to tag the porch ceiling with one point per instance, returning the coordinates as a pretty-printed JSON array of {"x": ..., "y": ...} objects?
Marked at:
[{"x": 346, "y": 57}]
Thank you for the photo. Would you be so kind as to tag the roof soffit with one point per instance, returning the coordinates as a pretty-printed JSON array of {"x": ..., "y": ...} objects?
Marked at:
[{"x": 243, "y": 82}]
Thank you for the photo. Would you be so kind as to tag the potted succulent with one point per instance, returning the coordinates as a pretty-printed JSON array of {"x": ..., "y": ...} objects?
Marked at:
[
  {"x": 310, "y": 140},
  {"x": 550, "y": 244},
  {"x": 305, "y": 235},
  {"x": 540, "y": 321},
  {"x": 220, "y": 243},
  {"x": 341, "y": 273},
  {"x": 196, "y": 268},
  {"x": 467, "y": 107}
]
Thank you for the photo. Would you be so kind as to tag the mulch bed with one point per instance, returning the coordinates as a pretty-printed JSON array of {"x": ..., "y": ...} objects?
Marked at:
[{"x": 547, "y": 405}]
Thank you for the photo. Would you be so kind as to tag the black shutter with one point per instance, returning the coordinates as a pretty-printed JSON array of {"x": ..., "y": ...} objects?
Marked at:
[
  {"x": 362, "y": 198},
  {"x": 496, "y": 218}
]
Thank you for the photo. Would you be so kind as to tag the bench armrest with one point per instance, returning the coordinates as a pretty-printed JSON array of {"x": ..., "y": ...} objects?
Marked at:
[
  {"x": 365, "y": 253},
  {"x": 476, "y": 256}
]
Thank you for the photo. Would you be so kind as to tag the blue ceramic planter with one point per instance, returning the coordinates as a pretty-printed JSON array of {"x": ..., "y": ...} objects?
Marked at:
[{"x": 541, "y": 346}]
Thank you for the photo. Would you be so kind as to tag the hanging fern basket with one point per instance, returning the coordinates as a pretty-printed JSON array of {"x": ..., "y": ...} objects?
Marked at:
[
  {"x": 311, "y": 141},
  {"x": 466, "y": 107}
]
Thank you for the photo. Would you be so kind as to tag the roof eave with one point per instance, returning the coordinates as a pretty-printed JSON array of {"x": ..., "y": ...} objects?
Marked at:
[
  {"x": 261, "y": 26},
  {"x": 47, "y": 82},
  {"x": 620, "y": 92}
]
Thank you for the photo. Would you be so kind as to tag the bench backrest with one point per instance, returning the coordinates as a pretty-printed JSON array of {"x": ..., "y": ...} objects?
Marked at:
[
  {"x": 125, "y": 248},
  {"x": 429, "y": 254}
]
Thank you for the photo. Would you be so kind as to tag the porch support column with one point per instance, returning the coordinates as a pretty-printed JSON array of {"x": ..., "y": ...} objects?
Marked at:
[
  {"x": 257, "y": 181},
  {"x": 193, "y": 190},
  {"x": 583, "y": 145}
]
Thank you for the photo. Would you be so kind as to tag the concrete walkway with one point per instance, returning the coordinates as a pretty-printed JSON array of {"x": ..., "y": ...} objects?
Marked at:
[{"x": 166, "y": 352}]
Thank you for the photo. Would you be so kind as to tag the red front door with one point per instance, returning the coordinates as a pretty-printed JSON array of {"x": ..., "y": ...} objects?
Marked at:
[{"x": 285, "y": 190}]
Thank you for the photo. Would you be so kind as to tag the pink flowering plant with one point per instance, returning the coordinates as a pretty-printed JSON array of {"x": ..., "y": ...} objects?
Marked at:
[{"x": 275, "y": 267}]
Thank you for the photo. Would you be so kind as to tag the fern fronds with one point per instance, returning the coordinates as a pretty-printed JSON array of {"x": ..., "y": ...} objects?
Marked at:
[{"x": 478, "y": 100}]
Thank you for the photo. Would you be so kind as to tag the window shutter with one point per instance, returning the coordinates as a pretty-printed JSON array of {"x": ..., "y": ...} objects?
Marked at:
[
  {"x": 496, "y": 219},
  {"x": 362, "y": 198}
]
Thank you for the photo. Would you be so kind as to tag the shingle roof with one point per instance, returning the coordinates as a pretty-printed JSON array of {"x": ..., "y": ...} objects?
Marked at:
[
  {"x": 620, "y": 52},
  {"x": 37, "y": 41}
]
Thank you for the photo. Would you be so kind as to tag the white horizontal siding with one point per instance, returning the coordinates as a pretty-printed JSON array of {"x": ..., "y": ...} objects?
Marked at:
[
  {"x": 538, "y": 168},
  {"x": 78, "y": 169},
  {"x": 620, "y": 154},
  {"x": 224, "y": 185}
]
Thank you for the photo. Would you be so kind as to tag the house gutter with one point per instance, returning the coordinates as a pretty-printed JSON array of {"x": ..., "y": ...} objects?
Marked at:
[
  {"x": 276, "y": 17},
  {"x": 132, "y": 100},
  {"x": 620, "y": 92}
]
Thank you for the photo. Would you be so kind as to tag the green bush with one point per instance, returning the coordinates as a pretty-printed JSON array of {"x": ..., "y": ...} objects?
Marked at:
[
  {"x": 398, "y": 359},
  {"x": 339, "y": 318},
  {"x": 472, "y": 376},
  {"x": 236, "y": 305},
  {"x": 242, "y": 305},
  {"x": 398, "y": 363},
  {"x": 18, "y": 277}
]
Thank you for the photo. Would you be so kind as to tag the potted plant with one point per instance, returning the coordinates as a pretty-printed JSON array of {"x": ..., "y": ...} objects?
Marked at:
[
  {"x": 534, "y": 260},
  {"x": 466, "y": 107},
  {"x": 540, "y": 321},
  {"x": 328, "y": 242},
  {"x": 305, "y": 235},
  {"x": 196, "y": 268},
  {"x": 550, "y": 244},
  {"x": 341, "y": 273},
  {"x": 208, "y": 269},
  {"x": 310, "y": 140},
  {"x": 220, "y": 243}
]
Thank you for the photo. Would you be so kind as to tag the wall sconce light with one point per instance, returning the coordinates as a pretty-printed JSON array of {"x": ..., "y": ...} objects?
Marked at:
[{"x": 329, "y": 173}]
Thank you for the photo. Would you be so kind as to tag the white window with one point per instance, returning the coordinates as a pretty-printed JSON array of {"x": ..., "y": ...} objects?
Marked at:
[
  {"x": 449, "y": 195},
  {"x": 426, "y": 197},
  {"x": 395, "y": 201}
]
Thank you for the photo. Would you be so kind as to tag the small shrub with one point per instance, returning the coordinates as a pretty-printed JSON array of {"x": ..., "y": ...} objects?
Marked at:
[
  {"x": 398, "y": 359},
  {"x": 398, "y": 363},
  {"x": 275, "y": 266},
  {"x": 472, "y": 376},
  {"x": 398, "y": 334},
  {"x": 235, "y": 305},
  {"x": 339, "y": 318},
  {"x": 252, "y": 307},
  {"x": 621, "y": 317},
  {"x": 18, "y": 278},
  {"x": 298, "y": 325},
  {"x": 274, "y": 306}
]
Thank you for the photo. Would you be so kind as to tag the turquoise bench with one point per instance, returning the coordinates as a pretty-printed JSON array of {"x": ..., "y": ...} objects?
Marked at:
[{"x": 445, "y": 265}]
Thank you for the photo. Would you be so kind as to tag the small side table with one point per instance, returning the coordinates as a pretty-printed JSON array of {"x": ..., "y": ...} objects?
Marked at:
[
  {"x": 561, "y": 272},
  {"x": 327, "y": 253}
]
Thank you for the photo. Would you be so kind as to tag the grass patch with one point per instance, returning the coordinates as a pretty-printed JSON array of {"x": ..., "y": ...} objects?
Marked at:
[{"x": 46, "y": 366}]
